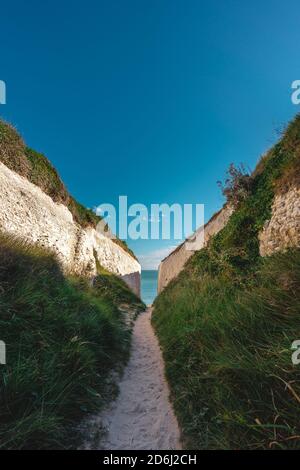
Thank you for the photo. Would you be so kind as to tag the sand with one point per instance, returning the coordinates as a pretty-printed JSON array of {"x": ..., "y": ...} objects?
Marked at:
[{"x": 142, "y": 416}]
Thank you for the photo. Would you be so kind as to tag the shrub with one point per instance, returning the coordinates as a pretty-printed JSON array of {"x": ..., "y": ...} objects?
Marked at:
[{"x": 237, "y": 185}]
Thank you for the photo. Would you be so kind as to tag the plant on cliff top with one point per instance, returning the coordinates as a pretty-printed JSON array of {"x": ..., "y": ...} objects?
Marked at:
[
  {"x": 44, "y": 175},
  {"x": 237, "y": 185},
  {"x": 12, "y": 149}
]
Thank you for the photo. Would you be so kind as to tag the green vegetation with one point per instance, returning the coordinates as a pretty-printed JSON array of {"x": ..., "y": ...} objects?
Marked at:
[
  {"x": 12, "y": 150},
  {"x": 63, "y": 339},
  {"x": 38, "y": 170},
  {"x": 112, "y": 288},
  {"x": 226, "y": 324},
  {"x": 81, "y": 214},
  {"x": 44, "y": 175}
]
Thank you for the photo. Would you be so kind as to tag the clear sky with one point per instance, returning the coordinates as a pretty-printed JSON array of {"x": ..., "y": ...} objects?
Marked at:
[{"x": 149, "y": 98}]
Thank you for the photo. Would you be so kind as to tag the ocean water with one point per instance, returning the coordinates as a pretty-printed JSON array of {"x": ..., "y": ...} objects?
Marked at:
[{"x": 149, "y": 286}]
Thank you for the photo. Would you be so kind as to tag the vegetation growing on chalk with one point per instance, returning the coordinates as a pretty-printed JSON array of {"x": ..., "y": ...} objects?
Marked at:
[{"x": 226, "y": 324}]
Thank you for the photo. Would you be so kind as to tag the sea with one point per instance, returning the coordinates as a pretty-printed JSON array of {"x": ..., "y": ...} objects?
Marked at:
[{"x": 149, "y": 286}]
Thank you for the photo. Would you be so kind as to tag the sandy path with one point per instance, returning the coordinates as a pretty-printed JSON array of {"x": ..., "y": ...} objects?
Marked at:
[{"x": 142, "y": 417}]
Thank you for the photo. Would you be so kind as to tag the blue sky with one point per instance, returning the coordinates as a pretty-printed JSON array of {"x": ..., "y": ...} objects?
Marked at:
[{"x": 150, "y": 99}]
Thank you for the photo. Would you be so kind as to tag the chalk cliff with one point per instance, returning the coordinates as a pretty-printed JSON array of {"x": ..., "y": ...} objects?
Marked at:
[
  {"x": 283, "y": 229},
  {"x": 29, "y": 214}
]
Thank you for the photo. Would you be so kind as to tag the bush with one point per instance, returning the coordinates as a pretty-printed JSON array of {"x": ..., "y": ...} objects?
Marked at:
[{"x": 237, "y": 185}]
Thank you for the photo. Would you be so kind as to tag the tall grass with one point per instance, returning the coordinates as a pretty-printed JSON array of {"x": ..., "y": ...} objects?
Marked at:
[
  {"x": 228, "y": 357},
  {"x": 63, "y": 338}
]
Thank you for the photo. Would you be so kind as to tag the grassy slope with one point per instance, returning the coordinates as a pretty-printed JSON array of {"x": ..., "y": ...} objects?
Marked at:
[
  {"x": 37, "y": 169},
  {"x": 63, "y": 339},
  {"x": 115, "y": 290},
  {"x": 227, "y": 322}
]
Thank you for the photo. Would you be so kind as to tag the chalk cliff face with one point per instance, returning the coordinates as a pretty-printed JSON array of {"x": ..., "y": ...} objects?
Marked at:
[
  {"x": 283, "y": 229},
  {"x": 171, "y": 266},
  {"x": 31, "y": 215}
]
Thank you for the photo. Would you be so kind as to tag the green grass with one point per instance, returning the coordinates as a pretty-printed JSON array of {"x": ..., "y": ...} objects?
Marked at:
[
  {"x": 12, "y": 150},
  {"x": 228, "y": 357},
  {"x": 38, "y": 170},
  {"x": 44, "y": 175},
  {"x": 114, "y": 289},
  {"x": 227, "y": 322},
  {"x": 63, "y": 339}
]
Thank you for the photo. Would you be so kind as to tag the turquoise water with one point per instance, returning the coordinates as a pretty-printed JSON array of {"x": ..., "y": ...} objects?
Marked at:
[{"x": 149, "y": 286}]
